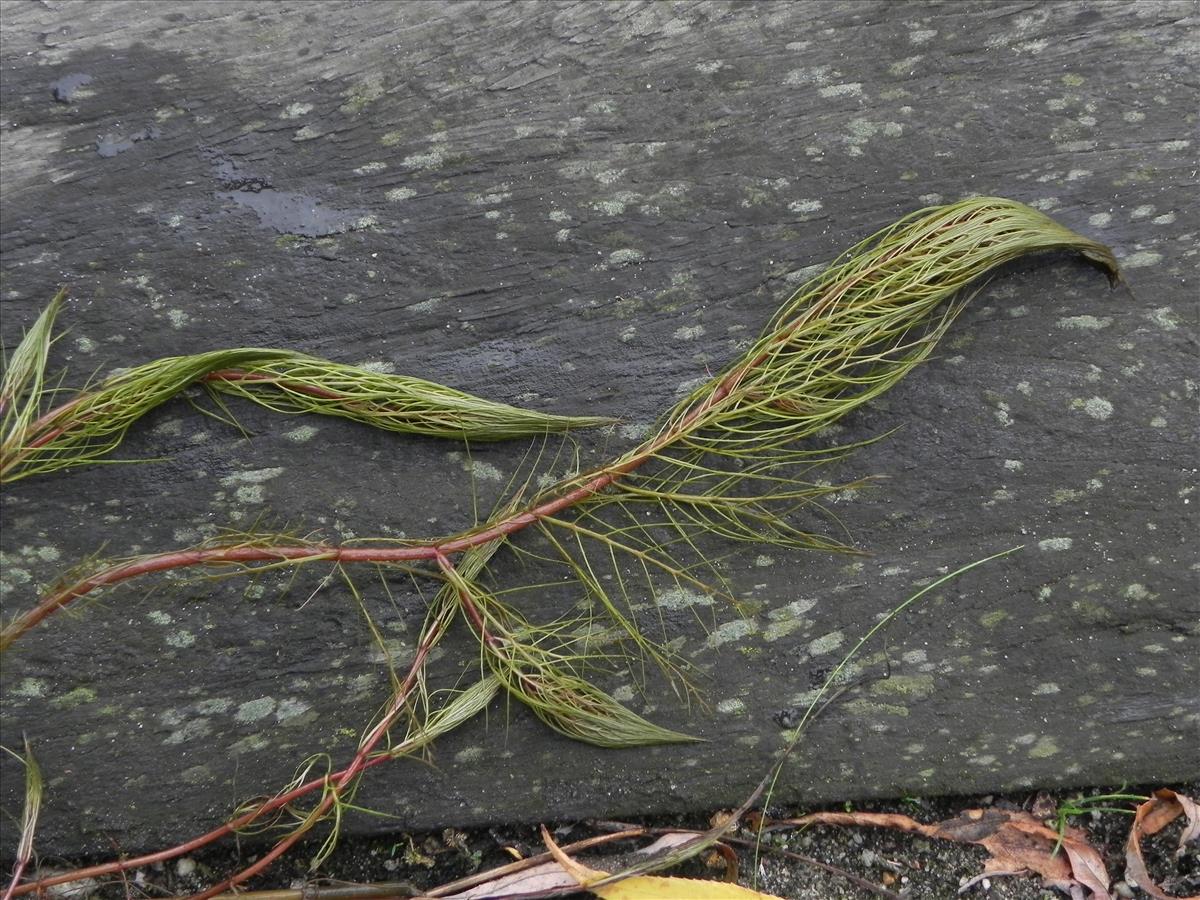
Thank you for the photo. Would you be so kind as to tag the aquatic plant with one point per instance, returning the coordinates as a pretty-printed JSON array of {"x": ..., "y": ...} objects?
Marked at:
[{"x": 723, "y": 463}]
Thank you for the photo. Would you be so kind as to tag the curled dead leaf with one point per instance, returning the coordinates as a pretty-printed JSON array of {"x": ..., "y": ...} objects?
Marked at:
[
  {"x": 1163, "y": 808},
  {"x": 1016, "y": 841}
]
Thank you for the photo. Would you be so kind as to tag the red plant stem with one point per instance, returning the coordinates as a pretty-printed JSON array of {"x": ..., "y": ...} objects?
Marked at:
[
  {"x": 18, "y": 871},
  {"x": 180, "y": 559},
  {"x": 346, "y": 776},
  {"x": 438, "y": 551},
  {"x": 339, "y": 780}
]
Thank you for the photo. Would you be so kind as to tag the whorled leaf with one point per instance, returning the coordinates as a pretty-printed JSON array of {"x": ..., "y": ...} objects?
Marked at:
[
  {"x": 304, "y": 384},
  {"x": 94, "y": 422},
  {"x": 24, "y": 374},
  {"x": 731, "y": 447}
]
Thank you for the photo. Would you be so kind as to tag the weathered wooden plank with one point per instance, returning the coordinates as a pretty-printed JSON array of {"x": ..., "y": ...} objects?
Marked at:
[{"x": 582, "y": 207}]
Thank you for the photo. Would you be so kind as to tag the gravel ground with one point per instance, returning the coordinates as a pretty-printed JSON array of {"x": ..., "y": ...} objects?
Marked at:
[{"x": 909, "y": 865}]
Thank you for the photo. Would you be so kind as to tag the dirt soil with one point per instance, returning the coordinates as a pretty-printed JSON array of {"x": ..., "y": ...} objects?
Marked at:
[{"x": 908, "y": 865}]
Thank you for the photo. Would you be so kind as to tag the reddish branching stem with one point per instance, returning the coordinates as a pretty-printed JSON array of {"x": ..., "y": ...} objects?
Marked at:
[{"x": 333, "y": 784}]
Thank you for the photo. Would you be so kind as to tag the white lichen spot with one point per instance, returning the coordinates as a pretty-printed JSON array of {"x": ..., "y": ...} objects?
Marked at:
[
  {"x": 178, "y": 318},
  {"x": 175, "y": 221},
  {"x": 1134, "y": 116},
  {"x": 1141, "y": 212},
  {"x": 296, "y": 110},
  {"x": 301, "y": 435},
  {"x": 214, "y": 705},
  {"x": 1045, "y": 204},
  {"x": 625, "y": 256},
  {"x": 431, "y": 159},
  {"x": 1164, "y": 219},
  {"x": 679, "y": 597},
  {"x": 623, "y": 694},
  {"x": 85, "y": 344},
  {"x": 1056, "y": 544},
  {"x": 371, "y": 168},
  {"x": 1136, "y": 592},
  {"x": 689, "y": 332},
  {"x": 1153, "y": 648},
  {"x": 1014, "y": 465},
  {"x": 395, "y": 195},
  {"x": 609, "y": 176},
  {"x": 158, "y": 617},
  {"x": 892, "y": 129},
  {"x": 1174, "y": 146},
  {"x": 709, "y": 66},
  {"x": 922, "y": 35},
  {"x": 426, "y": 306},
  {"x": 792, "y": 611},
  {"x": 914, "y": 657},
  {"x": 485, "y": 471},
  {"x": 1024, "y": 388},
  {"x": 1044, "y": 747},
  {"x": 1046, "y": 687},
  {"x": 809, "y": 75},
  {"x": 558, "y": 215},
  {"x": 1085, "y": 323},
  {"x": 1003, "y": 415},
  {"x": 290, "y": 708},
  {"x": 469, "y": 755},
  {"x": 196, "y": 728},
  {"x": 805, "y": 207},
  {"x": 799, "y": 276},
  {"x": 848, "y": 89},
  {"x": 1164, "y": 317},
  {"x": 731, "y": 707},
  {"x": 307, "y": 133},
  {"x": 827, "y": 643},
  {"x": 1158, "y": 422},
  {"x": 1096, "y": 407},
  {"x": 30, "y": 687},
  {"x": 252, "y": 476},
  {"x": 731, "y": 631},
  {"x": 906, "y": 66},
  {"x": 182, "y": 638},
  {"x": 563, "y": 234},
  {"x": 762, "y": 561},
  {"x": 1099, "y": 220},
  {"x": 1142, "y": 259},
  {"x": 253, "y": 710},
  {"x": 381, "y": 366}
]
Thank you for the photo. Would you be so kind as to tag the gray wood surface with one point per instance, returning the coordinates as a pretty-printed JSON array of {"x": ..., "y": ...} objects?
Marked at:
[{"x": 584, "y": 207}]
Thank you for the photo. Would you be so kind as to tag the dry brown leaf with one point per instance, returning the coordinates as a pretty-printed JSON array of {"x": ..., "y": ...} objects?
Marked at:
[
  {"x": 543, "y": 877},
  {"x": 1163, "y": 808},
  {"x": 1016, "y": 841}
]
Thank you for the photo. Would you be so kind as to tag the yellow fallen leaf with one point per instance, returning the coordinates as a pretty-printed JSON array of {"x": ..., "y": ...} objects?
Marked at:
[
  {"x": 649, "y": 887},
  {"x": 654, "y": 887}
]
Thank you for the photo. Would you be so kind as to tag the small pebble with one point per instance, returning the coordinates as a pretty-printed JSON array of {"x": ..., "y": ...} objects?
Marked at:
[{"x": 185, "y": 867}]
